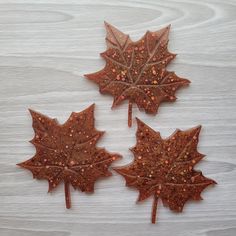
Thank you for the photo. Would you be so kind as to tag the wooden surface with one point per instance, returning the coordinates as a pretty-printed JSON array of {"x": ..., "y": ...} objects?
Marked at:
[{"x": 47, "y": 46}]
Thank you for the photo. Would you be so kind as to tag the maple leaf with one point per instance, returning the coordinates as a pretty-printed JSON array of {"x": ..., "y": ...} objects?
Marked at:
[
  {"x": 137, "y": 70},
  {"x": 68, "y": 152},
  {"x": 164, "y": 168}
]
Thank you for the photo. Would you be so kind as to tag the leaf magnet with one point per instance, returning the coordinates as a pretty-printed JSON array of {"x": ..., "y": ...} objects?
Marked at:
[
  {"x": 136, "y": 71},
  {"x": 164, "y": 168},
  {"x": 68, "y": 153}
]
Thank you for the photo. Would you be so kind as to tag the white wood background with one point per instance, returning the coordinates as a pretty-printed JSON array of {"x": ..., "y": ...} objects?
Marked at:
[{"x": 45, "y": 48}]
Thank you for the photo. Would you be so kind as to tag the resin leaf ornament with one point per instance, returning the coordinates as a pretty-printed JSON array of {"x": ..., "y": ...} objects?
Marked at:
[
  {"x": 136, "y": 71},
  {"x": 68, "y": 153},
  {"x": 164, "y": 168}
]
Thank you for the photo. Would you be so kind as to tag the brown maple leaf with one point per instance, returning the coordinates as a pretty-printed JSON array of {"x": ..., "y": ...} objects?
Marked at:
[
  {"x": 164, "y": 168},
  {"x": 137, "y": 70},
  {"x": 68, "y": 152}
]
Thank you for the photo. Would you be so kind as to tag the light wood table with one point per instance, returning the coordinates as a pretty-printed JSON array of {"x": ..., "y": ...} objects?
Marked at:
[{"x": 45, "y": 48}]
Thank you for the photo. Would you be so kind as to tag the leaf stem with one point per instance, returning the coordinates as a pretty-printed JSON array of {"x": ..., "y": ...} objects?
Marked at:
[
  {"x": 67, "y": 194},
  {"x": 130, "y": 114},
  {"x": 154, "y": 209}
]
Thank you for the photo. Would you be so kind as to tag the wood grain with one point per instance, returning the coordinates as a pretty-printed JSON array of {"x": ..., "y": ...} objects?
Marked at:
[{"x": 47, "y": 46}]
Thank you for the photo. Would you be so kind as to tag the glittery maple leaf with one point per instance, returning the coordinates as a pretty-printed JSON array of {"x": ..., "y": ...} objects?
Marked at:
[
  {"x": 68, "y": 152},
  {"x": 137, "y": 70},
  {"x": 165, "y": 168}
]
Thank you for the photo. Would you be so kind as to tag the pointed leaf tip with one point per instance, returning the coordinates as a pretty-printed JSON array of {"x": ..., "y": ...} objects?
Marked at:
[
  {"x": 106, "y": 23},
  {"x": 198, "y": 130},
  {"x": 186, "y": 81},
  {"x": 199, "y": 127},
  {"x": 32, "y": 112},
  {"x": 214, "y": 182},
  {"x": 91, "y": 108}
]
